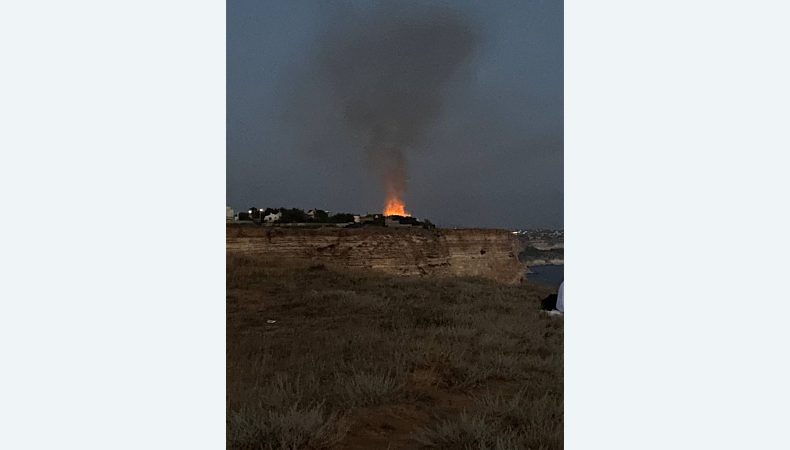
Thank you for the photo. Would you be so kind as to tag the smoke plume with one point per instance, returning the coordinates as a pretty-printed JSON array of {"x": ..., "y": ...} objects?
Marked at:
[{"x": 386, "y": 70}]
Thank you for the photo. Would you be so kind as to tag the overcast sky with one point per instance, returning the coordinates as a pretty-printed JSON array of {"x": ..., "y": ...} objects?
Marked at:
[{"x": 490, "y": 154}]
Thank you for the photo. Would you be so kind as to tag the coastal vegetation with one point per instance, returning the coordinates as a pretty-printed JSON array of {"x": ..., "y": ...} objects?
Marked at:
[{"x": 321, "y": 357}]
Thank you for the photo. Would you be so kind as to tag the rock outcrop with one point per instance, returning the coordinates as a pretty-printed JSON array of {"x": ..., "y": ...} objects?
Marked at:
[{"x": 484, "y": 253}]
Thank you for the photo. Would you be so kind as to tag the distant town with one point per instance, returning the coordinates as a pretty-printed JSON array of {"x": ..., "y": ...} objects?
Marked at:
[
  {"x": 540, "y": 238},
  {"x": 550, "y": 237},
  {"x": 318, "y": 218}
]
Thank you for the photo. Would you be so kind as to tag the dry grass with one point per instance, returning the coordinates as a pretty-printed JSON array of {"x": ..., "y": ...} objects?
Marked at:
[{"x": 361, "y": 360}]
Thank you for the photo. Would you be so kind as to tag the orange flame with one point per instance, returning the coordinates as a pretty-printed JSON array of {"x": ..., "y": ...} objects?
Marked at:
[{"x": 395, "y": 207}]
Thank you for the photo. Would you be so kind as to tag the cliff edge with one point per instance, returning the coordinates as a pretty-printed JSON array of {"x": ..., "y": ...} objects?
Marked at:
[{"x": 485, "y": 253}]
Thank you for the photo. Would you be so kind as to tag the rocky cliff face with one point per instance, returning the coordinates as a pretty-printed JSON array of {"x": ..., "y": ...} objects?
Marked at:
[{"x": 482, "y": 253}]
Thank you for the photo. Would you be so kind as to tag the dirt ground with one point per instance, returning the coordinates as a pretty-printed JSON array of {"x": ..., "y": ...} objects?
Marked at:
[{"x": 326, "y": 358}]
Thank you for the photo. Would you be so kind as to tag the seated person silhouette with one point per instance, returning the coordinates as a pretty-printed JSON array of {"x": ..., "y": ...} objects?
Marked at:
[{"x": 554, "y": 302}]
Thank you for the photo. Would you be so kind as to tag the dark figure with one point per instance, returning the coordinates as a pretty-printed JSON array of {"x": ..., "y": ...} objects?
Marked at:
[{"x": 549, "y": 303}]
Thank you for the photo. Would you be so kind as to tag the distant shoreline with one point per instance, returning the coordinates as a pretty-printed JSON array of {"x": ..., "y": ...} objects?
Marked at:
[{"x": 544, "y": 262}]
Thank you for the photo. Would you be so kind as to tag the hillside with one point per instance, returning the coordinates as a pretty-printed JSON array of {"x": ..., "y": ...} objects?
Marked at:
[{"x": 324, "y": 358}]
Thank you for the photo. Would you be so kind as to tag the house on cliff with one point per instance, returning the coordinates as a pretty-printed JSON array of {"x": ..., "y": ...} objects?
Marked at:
[
  {"x": 273, "y": 217},
  {"x": 401, "y": 221}
]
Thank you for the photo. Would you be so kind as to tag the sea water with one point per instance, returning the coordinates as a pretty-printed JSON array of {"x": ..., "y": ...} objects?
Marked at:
[{"x": 546, "y": 275}]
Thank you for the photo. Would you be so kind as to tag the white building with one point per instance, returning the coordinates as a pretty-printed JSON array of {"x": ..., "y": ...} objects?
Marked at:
[
  {"x": 272, "y": 217},
  {"x": 229, "y": 213}
]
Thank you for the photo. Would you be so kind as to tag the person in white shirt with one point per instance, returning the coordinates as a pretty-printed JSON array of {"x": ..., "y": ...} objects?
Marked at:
[
  {"x": 554, "y": 303},
  {"x": 560, "y": 303}
]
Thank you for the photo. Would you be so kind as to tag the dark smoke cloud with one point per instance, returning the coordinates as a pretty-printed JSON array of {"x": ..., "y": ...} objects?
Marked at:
[
  {"x": 325, "y": 97},
  {"x": 385, "y": 70}
]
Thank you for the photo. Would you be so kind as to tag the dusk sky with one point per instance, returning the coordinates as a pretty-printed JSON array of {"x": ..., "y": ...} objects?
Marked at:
[{"x": 463, "y": 99}]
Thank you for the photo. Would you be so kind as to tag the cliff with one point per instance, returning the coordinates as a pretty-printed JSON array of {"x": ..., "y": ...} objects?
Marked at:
[{"x": 484, "y": 253}]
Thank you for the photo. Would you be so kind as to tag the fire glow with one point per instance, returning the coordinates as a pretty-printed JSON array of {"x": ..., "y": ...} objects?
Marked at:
[{"x": 395, "y": 207}]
